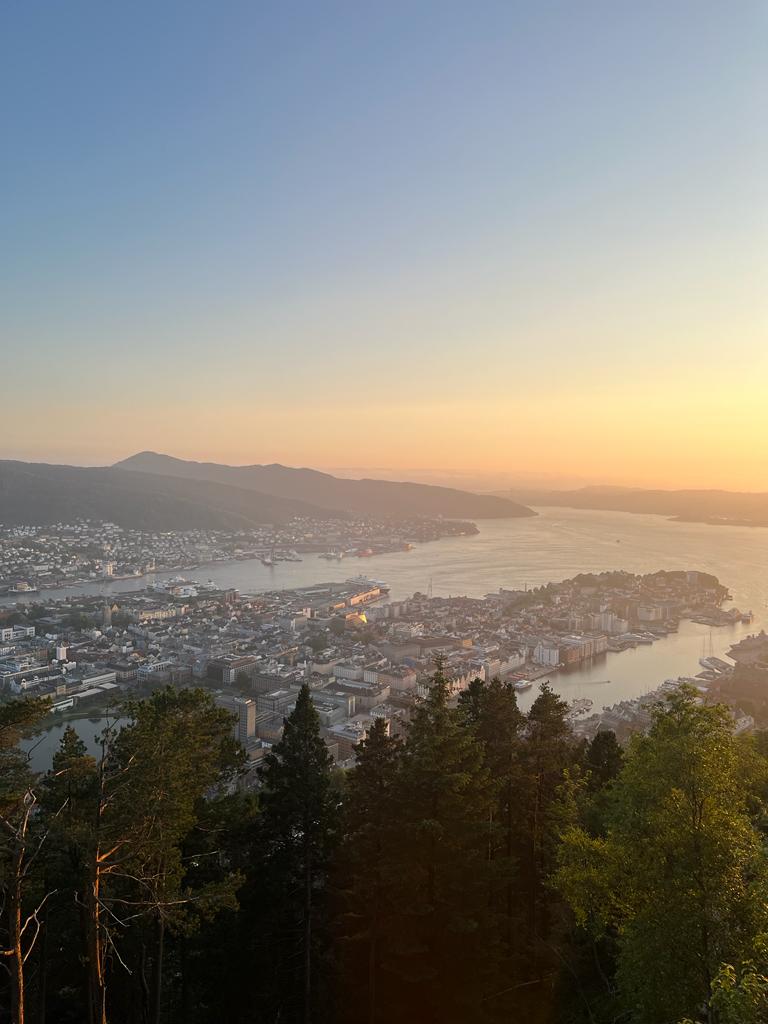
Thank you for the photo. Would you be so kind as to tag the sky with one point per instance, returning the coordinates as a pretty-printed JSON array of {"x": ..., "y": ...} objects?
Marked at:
[{"x": 487, "y": 241}]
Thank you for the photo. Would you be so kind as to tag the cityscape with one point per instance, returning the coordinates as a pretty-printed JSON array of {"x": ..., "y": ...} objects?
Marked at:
[
  {"x": 363, "y": 655},
  {"x": 383, "y": 513},
  {"x": 36, "y": 558}
]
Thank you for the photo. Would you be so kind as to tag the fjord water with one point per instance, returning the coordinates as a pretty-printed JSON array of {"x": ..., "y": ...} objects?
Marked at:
[{"x": 556, "y": 544}]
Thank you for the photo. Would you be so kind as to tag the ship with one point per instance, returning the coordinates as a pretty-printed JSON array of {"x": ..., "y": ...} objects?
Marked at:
[
  {"x": 366, "y": 581},
  {"x": 523, "y": 684},
  {"x": 580, "y": 706},
  {"x": 22, "y": 587}
]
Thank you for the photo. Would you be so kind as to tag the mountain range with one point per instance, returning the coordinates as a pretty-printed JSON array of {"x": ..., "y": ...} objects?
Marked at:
[
  {"x": 746, "y": 508},
  {"x": 157, "y": 492}
]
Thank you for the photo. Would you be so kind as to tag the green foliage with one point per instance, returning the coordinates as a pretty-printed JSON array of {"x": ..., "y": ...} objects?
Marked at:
[
  {"x": 444, "y": 798},
  {"x": 296, "y": 835},
  {"x": 603, "y": 759},
  {"x": 680, "y": 873},
  {"x": 367, "y": 880},
  {"x": 741, "y": 997},
  {"x": 486, "y": 867},
  {"x": 470, "y": 701}
]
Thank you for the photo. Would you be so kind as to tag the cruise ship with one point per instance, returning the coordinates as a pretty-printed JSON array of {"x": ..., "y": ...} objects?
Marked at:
[{"x": 366, "y": 581}]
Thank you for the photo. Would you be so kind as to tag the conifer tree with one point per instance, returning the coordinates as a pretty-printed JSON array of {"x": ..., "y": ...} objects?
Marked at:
[
  {"x": 368, "y": 880},
  {"x": 470, "y": 701},
  {"x": 297, "y": 832},
  {"x": 440, "y": 959},
  {"x": 177, "y": 749},
  {"x": 603, "y": 758},
  {"x": 498, "y": 731},
  {"x": 546, "y": 754},
  {"x": 67, "y": 801}
]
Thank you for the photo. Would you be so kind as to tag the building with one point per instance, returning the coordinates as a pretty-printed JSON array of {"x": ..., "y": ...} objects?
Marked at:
[{"x": 244, "y": 708}]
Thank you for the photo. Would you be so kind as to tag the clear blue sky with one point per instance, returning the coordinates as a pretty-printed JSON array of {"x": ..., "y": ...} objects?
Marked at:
[{"x": 381, "y": 233}]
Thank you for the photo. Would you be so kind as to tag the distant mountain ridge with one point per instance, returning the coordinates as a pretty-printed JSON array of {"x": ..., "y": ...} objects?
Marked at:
[
  {"x": 37, "y": 494},
  {"x": 366, "y": 496},
  {"x": 719, "y": 507},
  {"x": 195, "y": 496}
]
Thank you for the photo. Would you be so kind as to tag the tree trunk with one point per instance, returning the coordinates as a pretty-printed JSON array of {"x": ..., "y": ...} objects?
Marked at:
[
  {"x": 308, "y": 937},
  {"x": 184, "y": 980},
  {"x": 372, "y": 954},
  {"x": 96, "y": 959},
  {"x": 159, "y": 970},
  {"x": 17, "y": 954},
  {"x": 42, "y": 988}
]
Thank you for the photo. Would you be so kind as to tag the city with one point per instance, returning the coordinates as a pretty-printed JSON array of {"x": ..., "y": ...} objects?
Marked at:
[
  {"x": 33, "y": 558},
  {"x": 363, "y": 655}
]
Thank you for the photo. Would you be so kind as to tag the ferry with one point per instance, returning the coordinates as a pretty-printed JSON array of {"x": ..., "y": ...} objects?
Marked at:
[
  {"x": 522, "y": 684},
  {"x": 23, "y": 588}
]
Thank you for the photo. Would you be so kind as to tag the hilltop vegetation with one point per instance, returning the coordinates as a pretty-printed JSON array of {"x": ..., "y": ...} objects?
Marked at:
[{"x": 486, "y": 867}]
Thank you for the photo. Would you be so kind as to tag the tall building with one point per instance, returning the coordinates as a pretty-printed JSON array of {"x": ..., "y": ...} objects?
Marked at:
[{"x": 244, "y": 728}]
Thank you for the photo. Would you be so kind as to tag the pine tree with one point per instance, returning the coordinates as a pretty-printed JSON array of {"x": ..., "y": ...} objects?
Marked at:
[
  {"x": 297, "y": 832},
  {"x": 547, "y": 753},
  {"x": 603, "y": 758},
  {"x": 470, "y": 701},
  {"x": 444, "y": 798},
  {"x": 366, "y": 873},
  {"x": 498, "y": 729},
  {"x": 177, "y": 749},
  {"x": 67, "y": 802}
]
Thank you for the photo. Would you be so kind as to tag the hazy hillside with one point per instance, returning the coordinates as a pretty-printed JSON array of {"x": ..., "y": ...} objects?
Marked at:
[
  {"x": 691, "y": 505},
  {"x": 37, "y": 493},
  {"x": 379, "y": 497}
]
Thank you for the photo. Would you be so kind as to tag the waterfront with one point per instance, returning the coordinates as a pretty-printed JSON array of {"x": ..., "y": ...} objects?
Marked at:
[{"x": 559, "y": 543}]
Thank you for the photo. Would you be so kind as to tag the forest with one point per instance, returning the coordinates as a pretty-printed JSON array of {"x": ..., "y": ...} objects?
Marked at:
[{"x": 486, "y": 866}]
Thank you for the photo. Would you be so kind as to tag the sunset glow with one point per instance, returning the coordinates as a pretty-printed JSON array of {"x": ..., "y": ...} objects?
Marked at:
[{"x": 494, "y": 245}]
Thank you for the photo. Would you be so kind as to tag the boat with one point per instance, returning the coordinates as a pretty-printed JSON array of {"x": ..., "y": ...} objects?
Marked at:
[
  {"x": 522, "y": 684},
  {"x": 580, "y": 706},
  {"x": 366, "y": 581}
]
